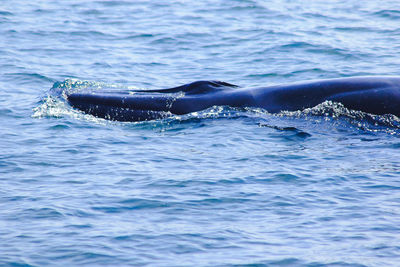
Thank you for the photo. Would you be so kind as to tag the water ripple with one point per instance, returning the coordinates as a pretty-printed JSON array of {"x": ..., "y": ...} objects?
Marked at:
[{"x": 221, "y": 187}]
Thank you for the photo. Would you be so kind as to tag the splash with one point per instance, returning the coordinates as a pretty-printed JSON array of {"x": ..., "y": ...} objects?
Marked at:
[
  {"x": 54, "y": 107},
  {"x": 70, "y": 86},
  {"x": 337, "y": 113},
  {"x": 54, "y": 103},
  {"x": 50, "y": 106}
]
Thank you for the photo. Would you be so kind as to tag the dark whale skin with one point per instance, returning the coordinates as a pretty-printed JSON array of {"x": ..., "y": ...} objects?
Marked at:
[{"x": 375, "y": 95}]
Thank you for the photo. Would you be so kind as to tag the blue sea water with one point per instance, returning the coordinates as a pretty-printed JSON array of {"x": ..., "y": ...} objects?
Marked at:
[{"x": 221, "y": 187}]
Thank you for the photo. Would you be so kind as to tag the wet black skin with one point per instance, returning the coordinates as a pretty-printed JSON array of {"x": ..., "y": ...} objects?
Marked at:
[{"x": 376, "y": 95}]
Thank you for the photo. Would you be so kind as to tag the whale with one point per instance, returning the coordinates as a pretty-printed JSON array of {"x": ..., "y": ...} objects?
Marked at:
[{"x": 374, "y": 95}]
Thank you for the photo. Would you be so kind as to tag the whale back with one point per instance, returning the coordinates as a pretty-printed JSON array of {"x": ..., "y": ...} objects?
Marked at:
[
  {"x": 138, "y": 105},
  {"x": 376, "y": 95},
  {"x": 195, "y": 88}
]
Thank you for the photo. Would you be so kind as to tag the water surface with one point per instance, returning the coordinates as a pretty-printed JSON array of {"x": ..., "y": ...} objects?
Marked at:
[{"x": 220, "y": 187}]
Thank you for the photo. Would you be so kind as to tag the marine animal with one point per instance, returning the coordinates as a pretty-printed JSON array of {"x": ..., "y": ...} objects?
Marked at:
[{"x": 375, "y": 95}]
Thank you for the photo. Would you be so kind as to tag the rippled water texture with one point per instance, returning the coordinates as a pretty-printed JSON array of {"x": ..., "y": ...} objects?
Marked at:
[{"x": 220, "y": 187}]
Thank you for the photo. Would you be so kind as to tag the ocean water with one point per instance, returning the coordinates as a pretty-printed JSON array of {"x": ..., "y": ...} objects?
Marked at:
[{"x": 221, "y": 187}]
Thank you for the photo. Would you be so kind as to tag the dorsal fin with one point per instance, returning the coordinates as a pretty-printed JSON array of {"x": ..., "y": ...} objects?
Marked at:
[{"x": 194, "y": 88}]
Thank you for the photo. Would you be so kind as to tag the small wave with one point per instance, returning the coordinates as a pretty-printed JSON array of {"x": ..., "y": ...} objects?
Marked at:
[
  {"x": 40, "y": 213},
  {"x": 29, "y": 78},
  {"x": 4, "y": 112},
  {"x": 318, "y": 49},
  {"x": 350, "y": 28},
  {"x": 92, "y": 34},
  {"x": 296, "y": 132},
  {"x": 163, "y": 40},
  {"x": 293, "y": 45},
  {"x": 391, "y": 14},
  {"x": 115, "y": 3},
  {"x": 337, "y": 111},
  {"x": 140, "y": 36},
  {"x": 6, "y": 13}
]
